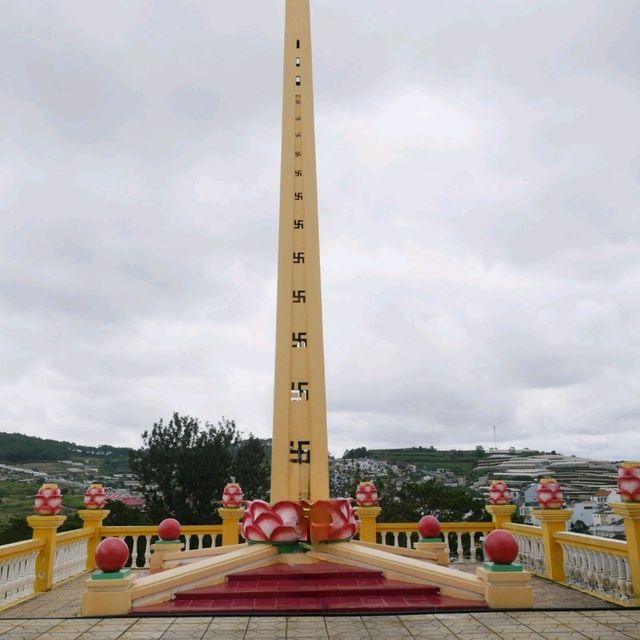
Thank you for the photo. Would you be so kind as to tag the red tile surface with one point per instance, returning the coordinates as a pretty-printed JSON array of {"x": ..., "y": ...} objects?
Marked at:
[{"x": 308, "y": 588}]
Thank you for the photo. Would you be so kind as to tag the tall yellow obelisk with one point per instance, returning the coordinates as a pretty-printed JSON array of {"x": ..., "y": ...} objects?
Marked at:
[{"x": 299, "y": 458}]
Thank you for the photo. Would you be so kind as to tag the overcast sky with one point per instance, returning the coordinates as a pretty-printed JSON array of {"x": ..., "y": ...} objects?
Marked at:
[{"x": 478, "y": 176}]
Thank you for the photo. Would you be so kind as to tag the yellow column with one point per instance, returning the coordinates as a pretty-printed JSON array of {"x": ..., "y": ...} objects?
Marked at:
[
  {"x": 230, "y": 525},
  {"x": 45, "y": 528},
  {"x": 630, "y": 511},
  {"x": 500, "y": 513},
  {"x": 553, "y": 521},
  {"x": 92, "y": 519},
  {"x": 367, "y": 517}
]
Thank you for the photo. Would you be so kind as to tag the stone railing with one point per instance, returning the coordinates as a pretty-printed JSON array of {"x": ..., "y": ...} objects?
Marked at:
[
  {"x": 598, "y": 566},
  {"x": 463, "y": 539},
  {"x": 140, "y": 538},
  {"x": 71, "y": 554},
  {"x": 530, "y": 546},
  {"x": 18, "y": 571}
]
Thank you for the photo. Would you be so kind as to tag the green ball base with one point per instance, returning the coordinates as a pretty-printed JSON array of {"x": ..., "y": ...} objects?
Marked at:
[
  {"x": 110, "y": 575},
  {"x": 506, "y": 568}
]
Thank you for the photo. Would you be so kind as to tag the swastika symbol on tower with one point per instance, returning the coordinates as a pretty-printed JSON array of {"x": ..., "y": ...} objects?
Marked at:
[
  {"x": 299, "y": 340},
  {"x": 303, "y": 456},
  {"x": 298, "y": 195},
  {"x": 298, "y": 258},
  {"x": 298, "y": 224},
  {"x": 299, "y": 296},
  {"x": 299, "y": 391}
]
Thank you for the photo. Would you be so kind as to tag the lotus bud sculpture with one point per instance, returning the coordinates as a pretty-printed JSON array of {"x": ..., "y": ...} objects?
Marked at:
[
  {"x": 332, "y": 520},
  {"x": 629, "y": 481},
  {"x": 282, "y": 522},
  {"x": 232, "y": 497},
  {"x": 94, "y": 496},
  {"x": 549, "y": 494},
  {"x": 499, "y": 492},
  {"x": 48, "y": 500},
  {"x": 366, "y": 494}
]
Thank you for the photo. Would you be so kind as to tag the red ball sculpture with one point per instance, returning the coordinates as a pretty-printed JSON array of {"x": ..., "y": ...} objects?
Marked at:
[
  {"x": 429, "y": 527},
  {"x": 112, "y": 554},
  {"x": 169, "y": 529},
  {"x": 500, "y": 547},
  {"x": 629, "y": 481},
  {"x": 48, "y": 500}
]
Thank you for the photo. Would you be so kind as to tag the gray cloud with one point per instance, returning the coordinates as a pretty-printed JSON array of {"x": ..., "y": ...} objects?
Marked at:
[{"x": 478, "y": 184}]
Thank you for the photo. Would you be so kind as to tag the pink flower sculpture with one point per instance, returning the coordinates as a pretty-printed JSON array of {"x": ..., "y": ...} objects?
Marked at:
[
  {"x": 48, "y": 500},
  {"x": 232, "y": 497},
  {"x": 282, "y": 522},
  {"x": 499, "y": 492},
  {"x": 366, "y": 494},
  {"x": 629, "y": 481},
  {"x": 94, "y": 496},
  {"x": 549, "y": 494},
  {"x": 332, "y": 520}
]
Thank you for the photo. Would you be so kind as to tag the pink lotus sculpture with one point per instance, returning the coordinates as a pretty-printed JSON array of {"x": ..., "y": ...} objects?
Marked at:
[
  {"x": 332, "y": 520},
  {"x": 366, "y": 494},
  {"x": 48, "y": 500},
  {"x": 499, "y": 492},
  {"x": 549, "y": 494},
  {"x": 94, "y": 496},
  {"x": 629, "y": 481},
  {"x": 232, "y": 497},
  {"x": 282, "y": 522}
]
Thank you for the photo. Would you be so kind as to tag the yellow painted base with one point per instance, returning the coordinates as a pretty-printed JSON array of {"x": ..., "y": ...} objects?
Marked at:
[
  {"x": 506, "y": 590},
  {"x": 437, "y": 552},
  {"x": 107, "y": 597},
  {"x": 159, "y": 552}
]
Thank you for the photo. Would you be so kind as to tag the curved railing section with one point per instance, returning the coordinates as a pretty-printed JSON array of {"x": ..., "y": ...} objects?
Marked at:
[
  {"x": 598, "y": 566},
  {"x": 531, "y": 547},
  {"x": 140, "y": 538},
  {"x": 463, "y": 539},
  {"x": 18, "y": 571}
]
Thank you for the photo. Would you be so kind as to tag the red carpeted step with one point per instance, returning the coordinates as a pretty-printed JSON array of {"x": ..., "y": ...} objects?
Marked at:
[{"x": 309, "y": 588}]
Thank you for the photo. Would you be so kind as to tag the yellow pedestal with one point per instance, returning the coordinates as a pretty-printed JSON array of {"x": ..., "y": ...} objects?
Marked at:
[
  {"x": 230, "y": 525},
  {"x": 500, "y": 514},
  {"x": 367, "y": 517},
  {"x": 92, "y": 519},
  {"x": 107, "y": 597},
  {"x": 439, "y": 552},
  {"x": 159, "y": 550},
  {"x": 552, "y": 521},
  {"x": 506, "y": 590},
  {"x": 45, "y": 528},
  {"x": 630, "y": 511}
]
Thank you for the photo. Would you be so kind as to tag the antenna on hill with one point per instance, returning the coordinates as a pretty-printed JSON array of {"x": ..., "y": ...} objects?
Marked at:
[{"x": 495, "y": 442}]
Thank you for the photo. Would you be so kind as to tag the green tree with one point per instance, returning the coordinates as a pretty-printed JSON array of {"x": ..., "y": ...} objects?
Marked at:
[
  {"x": 121, "y": 514},
  {"x": 414, "y": 499},
  {"x": 579, "y": 526},
  {"x": 183, "y": 467}
]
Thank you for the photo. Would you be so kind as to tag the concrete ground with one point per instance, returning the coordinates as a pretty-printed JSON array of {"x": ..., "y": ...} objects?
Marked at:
[{"x": 54, "y": 615}]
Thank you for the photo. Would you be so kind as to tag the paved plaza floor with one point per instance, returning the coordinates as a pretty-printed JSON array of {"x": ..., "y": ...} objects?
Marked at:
[{"x": 54, "y": 616}]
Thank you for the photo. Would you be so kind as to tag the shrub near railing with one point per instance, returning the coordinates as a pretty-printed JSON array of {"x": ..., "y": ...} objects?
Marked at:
[{"x": 18, "y": 570}]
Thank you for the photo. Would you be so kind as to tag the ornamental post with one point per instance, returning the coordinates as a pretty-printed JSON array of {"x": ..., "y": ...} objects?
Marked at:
[
  {"x": 45, "y": 528},
  {"x": 368, "y": 525},
  {"x": 92, "y": 519}
]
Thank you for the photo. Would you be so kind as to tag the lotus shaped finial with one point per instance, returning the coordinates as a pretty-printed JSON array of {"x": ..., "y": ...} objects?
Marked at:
[{"x": 281, "y": 522}]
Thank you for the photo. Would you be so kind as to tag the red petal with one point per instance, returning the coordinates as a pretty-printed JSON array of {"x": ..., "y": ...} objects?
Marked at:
[
  {"x": 284, "y": 534},
  {"x": 251, "y": 532},
  {"x": 288, "y": 511},
  {"x": 268, "y": 522}
]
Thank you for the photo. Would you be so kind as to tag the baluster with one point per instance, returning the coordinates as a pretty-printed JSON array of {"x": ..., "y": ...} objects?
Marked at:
[
  {"x": 472, "y": 546},
  {"x": 200, "y": 540},
  {"x": 395, "y": 539},
  {"x": 147, "y": 551},
  {"x": 134, "y": 552},
  {"x": 459, "y": 547},
  {"x": 383, "y": 534}
]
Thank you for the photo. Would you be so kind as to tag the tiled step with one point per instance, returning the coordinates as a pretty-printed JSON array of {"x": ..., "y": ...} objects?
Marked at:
[{"x": 299, "y": 605}]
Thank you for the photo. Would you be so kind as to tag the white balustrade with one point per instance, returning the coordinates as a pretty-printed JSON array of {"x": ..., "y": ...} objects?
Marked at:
[
  {"x": 17, "y": 576},
  {"x": 530, "y": 552},
  {"x": 70, "y": 560},
  {"x": 597, "y": 570}
]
